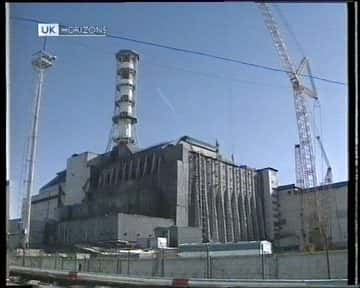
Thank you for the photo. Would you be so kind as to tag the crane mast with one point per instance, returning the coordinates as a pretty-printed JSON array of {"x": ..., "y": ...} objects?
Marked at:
[
  {"x": 328, "y": 176},
  {"x": 298, "y": 167},
  {"x": 306, "y": 150}
]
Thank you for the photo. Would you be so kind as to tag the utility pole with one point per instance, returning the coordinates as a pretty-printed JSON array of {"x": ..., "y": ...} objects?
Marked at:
[
  {"x": 262, "y": 260},
  {"x": 41, "y": 62},
  {"x": 7, "y": 8}
]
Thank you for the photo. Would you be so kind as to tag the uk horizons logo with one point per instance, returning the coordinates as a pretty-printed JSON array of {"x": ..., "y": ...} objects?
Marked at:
[{"x": 53, "y": 30}]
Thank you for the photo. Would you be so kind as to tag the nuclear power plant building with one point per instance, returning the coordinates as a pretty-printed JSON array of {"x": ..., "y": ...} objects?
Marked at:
[
  {"x": 129, "y": 193},
  {"x": 185, "y": 183}
]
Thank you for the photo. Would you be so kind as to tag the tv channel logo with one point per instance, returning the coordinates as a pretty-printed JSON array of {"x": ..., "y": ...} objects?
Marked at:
[{"x": 48, "y": 30}]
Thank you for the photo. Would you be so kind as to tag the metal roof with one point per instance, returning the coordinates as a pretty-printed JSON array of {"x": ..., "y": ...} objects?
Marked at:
[
  {"x": 199, "y": 143},
  {"x": 127, "y": 52},
  {"x": 60, "y": 178},
  {"x": 267, "y": 168},
  {"x": 327, "y": 186},
  {"x": 286, "y": 187}
]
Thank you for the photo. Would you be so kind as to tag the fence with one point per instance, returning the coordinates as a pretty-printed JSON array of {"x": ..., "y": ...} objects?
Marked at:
[{"x": 280, "y": 266}]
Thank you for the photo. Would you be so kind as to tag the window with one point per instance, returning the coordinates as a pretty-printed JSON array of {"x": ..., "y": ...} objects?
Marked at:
[
  {"x": 124, "y": 98},
  {"x": 125, "y": 58},
  {"x": 108, "y": 178},
  {"x": 125, "y": 74}
]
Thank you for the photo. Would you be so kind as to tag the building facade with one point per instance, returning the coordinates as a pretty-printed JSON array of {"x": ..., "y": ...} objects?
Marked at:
[
  {"x": 186, "y": 182},
  {"x": 302, "y": 218}
]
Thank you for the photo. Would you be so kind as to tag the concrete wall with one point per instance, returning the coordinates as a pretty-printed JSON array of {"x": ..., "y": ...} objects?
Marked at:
[
  {"x": 111, "y": 227},
  {"x": 132, "y": 227},
  {"x": 92, "y": 229},
  {"x": 223, "y": 200},
  {"x": 267, "y": 180},
  {"x": 182, "y": 196},
  {"x": 15, "y": 236},
  {"x": 77, "y": 173},
  {"x": 144, "y": 183},
  {"x": 312, "y": 266},
  {"x": 44, "y": 205},
  {"x": 332, "y": 208},
  {"x": 279, "y": 266}
]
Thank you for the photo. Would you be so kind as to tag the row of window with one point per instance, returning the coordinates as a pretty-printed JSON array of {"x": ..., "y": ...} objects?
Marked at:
[
  {"x": 127, "y": 58},
  {"x": 129, "y": 169},
  {"x": 126, "y": 73}
]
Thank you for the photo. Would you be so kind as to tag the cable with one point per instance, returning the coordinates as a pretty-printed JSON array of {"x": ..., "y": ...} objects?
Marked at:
[
  {"x": 194, "y": 52},
  {"x": 174, "y": 68},
  {"x": 217, "y": 57},
  {"x": 212, "y": 75}
]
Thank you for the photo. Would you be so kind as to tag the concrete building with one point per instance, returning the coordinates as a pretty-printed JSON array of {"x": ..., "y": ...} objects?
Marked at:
[
  {"x": 119, "y": 226},
  {"x": 296, "y": 214},
  {"x": 14, "y": 233},
  {"x": 267, "y": 182},
  {"x": 186, "y": 181},
  {"x": 45, "y": 206},
  {"x": 128, "y": 192},
  {"x": 77, "y": 175}
]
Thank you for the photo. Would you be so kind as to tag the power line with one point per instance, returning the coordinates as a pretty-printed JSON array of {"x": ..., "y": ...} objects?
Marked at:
[
  {"x": 151, "y": 63},
  {"x": 210, "y": 75},
  {"x": 218, "y": 57},
  {"x": 194, "y": 52}
]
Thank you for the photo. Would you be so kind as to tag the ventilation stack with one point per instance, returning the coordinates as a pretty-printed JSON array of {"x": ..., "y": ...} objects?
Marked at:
[{"x": 124, "y": 118}]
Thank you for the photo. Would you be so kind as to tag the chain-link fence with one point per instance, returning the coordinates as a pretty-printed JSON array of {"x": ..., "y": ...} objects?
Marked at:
[{"x": 162, "y": 264}]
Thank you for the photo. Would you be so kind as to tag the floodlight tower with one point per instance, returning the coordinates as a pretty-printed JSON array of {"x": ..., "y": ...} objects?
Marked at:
[
  {"x": 42, "y": 61},
  {"x": 124, "y": 117}
]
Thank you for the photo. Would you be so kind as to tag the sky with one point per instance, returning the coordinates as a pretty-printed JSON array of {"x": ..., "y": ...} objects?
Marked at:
[{"x": 249, "y": 111}]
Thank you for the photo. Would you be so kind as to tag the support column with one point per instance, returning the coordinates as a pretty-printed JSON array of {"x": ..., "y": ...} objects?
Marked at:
[
  {"x": 138, "y": 172},
  {"x": 212, "y": 192},
  {"x": 234, "y": 206},
  {"x": 242, "y": 207},
  {"x": 145, "y": 165},
  {"x": 248, "y": 208},
  {"x": 204, "y": 200},
  {"x": 227, "y": 205},
  {"x": 254, "y": 207},
  {"x": 259, "y": 210},
  {"x": 220, "y": 204},
  {"x": 124, "y": 167}
]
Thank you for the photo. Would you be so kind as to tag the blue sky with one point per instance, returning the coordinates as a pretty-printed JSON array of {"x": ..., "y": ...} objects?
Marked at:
[{"x": 250, "y": 111}]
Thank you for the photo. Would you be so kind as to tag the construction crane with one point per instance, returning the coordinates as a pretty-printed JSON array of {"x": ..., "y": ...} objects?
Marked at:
[
  {"x": 328, "y": 179},
  {"x": 306, "y": 166}
]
